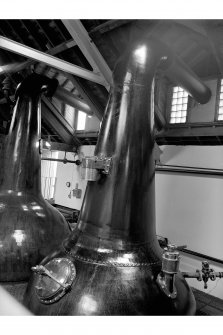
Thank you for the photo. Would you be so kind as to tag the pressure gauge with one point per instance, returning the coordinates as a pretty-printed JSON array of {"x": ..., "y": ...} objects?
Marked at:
[{"x": 54, "y": 279}]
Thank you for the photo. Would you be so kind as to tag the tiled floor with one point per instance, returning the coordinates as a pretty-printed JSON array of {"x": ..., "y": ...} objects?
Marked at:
[{"x": 207, "y": 304}]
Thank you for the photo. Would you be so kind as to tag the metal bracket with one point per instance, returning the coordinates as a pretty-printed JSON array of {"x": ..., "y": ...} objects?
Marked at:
[
  {"x": 103, "y": 164},
  {"x": 91, "y": 166}
]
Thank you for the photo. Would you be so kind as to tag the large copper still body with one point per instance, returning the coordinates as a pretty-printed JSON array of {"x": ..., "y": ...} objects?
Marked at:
[
  {"x": 112, "y": 259},
  {"x": 30, "y": 228}
]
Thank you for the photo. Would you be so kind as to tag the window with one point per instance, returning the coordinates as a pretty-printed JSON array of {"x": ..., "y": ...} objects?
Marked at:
[
  {"x": 179, "y": 103},
  {"x": 69, "y": 114},
  {"x": 81, "y": 120},
  {"x": 220, "y": 103},
  {"x": 48, "y": 174}
]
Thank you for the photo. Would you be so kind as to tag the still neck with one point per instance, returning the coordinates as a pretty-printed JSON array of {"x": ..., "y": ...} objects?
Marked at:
[
  {"x": 22, "y": 159},
  {"x": 121, "y": 206}
]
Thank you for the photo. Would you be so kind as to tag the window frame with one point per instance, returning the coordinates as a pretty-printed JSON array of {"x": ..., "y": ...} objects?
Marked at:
[
  {"x": 169, "y": 105},
  {"x": 217, "y": 99}
]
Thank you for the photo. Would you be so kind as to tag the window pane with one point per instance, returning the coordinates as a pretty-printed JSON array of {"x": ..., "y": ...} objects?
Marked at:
[
  {"x": 179, "y": 105},
  {"x": 220, "y": 102},
  {"x": 81, "y": 120}
]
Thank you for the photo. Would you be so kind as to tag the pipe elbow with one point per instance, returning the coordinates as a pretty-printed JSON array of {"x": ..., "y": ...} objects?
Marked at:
[
  {"x": 150, "y": 53},
  {"x": 182, "y": 75},
  {"x": 36, "y": 84}
]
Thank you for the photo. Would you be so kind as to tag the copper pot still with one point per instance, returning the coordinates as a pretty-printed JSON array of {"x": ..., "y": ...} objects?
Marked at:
[
  {"x": 110, "y": 263},
  {"x": 30, "y": 228}
]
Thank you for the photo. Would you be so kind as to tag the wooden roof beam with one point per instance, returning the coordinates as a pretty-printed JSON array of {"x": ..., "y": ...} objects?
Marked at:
[
  {"x": 59, "y": 123},
  {"x": 89, "y": 49},
  {"x": 192, "y": 130},
  {"x": 16, "y": 67},
  {"x": 57, "y": 63}
]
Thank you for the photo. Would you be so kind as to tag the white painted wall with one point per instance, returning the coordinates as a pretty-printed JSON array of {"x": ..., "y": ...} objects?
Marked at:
[
  {"x": 70, "y": 173},
  {"x": 189, "y": 208},
  {"x": 48, "y": 174}
]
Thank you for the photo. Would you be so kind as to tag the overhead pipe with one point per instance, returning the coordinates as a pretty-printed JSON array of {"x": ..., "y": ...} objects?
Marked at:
[
  {"x": 188, "y": 169},
  {"x": 179, "y": 72},
  {"x": 72, "y": 100},
  {"x": 111, "y": 261}
]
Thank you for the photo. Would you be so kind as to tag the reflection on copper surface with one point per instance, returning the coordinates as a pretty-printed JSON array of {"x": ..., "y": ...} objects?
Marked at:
[
  {"x": 36, "y": 207},
  {"x": 40, "y": 215},
  {"x": 19, "y": 236},
  {"x": 140, "y": 54},
  {"x": 2, "y": 206},
  {"x": 124, "y": 259},
  {"x": 128, "y": 273},
  {"x": 103, "y": 250},
  {"x": 88, "y": 304}
]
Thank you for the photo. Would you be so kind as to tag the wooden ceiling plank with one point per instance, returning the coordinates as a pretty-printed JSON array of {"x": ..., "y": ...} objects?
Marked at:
[
  {"x": 45, "y": 33},
  {"x": 35, "y": 36},
  {"x": 214, "y": 47},
  {"x": 110, "y": 25}
]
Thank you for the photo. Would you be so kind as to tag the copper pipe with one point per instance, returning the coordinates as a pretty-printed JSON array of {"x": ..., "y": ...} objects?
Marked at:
[
  {"x": 188, "y": 169},
  {"x": 114, "y": 246},
  {"x": 70, "y": 99},
  {"x": 30, "y": 227},
  {"x": 179, "y": 72}
]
